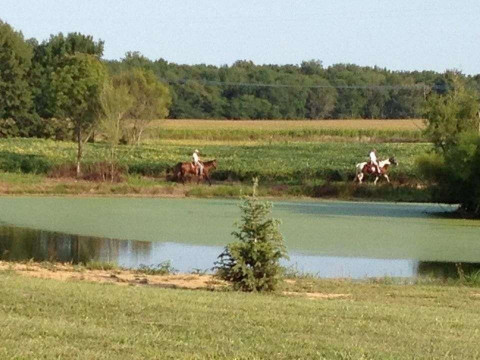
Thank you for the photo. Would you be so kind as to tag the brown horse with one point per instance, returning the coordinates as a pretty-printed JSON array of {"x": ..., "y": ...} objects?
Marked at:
[
  {"x": 184, "y": 169},
  {"x": 366, "y": 168}
]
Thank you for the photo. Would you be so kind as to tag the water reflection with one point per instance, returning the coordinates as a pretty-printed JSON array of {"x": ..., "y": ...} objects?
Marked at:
[{"x": 23, "y": 244}]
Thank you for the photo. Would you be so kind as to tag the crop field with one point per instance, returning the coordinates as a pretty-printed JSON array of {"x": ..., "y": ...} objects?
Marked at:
[
  {"x": 288, "y": 163},
  {"x": 409, "y": 130},
  {"x": 373, "y": 124}
]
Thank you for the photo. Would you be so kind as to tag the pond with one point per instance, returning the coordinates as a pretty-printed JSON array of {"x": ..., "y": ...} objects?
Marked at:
[{"x": 328, "y": 238}]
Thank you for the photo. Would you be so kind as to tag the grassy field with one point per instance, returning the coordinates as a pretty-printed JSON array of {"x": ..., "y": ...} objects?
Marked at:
[
  {"x": 50, "y": 319},
  {"x": 295, "y": 163},
  {"x": 291, "y": 158}
]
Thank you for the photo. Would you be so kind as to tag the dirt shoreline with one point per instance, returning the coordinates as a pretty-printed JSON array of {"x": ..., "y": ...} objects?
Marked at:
[
  {"x": 69, "y": 272},
  {"x": 124, "y": 277}
]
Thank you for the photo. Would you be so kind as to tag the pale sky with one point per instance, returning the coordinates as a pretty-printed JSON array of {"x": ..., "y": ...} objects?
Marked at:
[{"x": 399, "y": 35}]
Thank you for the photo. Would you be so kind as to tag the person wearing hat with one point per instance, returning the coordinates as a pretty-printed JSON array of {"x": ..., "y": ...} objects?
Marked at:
[
  {"x": 373, "y": 159},
  {"x": 197, "y": 163}
]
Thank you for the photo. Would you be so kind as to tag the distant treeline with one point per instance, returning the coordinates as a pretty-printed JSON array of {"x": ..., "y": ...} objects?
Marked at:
[
  {"x": 306, "y": 91},
  {"x": 29, "y": 102}
]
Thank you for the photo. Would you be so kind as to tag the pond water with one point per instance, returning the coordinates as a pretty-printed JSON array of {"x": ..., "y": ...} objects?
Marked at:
[{"x": 330, "y": 239}]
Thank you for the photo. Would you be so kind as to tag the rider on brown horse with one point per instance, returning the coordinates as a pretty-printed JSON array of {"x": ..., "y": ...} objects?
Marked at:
[{"x": 197, "y": 163}]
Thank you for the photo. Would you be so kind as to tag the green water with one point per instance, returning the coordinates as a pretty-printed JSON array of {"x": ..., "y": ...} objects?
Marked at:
[{"x": 351, "y": 229}]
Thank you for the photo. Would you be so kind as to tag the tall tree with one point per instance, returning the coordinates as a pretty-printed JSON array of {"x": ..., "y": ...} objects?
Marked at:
[
  {"x": 151, "y": 99},
  {"x": 48, "y": 56},
  {"x": 452, "y": 113},
  {"x": 115, "y": 102},
  {"x": 15, "y": 62},
  {"x": 76, "y": 85}
]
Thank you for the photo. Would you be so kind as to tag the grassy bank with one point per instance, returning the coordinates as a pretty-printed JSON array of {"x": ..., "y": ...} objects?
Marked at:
[
  {"x": 30, "y": 184},
  {"x": 79, "y": 320}
]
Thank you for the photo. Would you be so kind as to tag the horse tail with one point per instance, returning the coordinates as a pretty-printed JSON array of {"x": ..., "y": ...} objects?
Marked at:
[{"x": 358, "y": 168}]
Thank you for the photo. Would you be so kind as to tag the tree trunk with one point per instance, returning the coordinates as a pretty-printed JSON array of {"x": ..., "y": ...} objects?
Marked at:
[{"x": 79, "y": 151}]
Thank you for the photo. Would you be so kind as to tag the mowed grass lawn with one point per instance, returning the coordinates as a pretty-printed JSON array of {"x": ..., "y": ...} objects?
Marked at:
[{"x": 50, "y": 319}]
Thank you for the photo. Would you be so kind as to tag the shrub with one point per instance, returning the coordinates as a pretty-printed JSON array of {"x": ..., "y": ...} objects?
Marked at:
[
  {"x": 8, "y": 128},
  {"x": 99, "y": 171},
  {"x": 251, "y": 262},
  {"x": 20, "y": 163},
  {"x": 163, "y": 268},
  {"x": 456, "y": 172}
]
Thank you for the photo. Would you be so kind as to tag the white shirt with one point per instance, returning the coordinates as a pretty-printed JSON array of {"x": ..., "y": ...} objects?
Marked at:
[
  {"x": 373, "y": 157},
  {"x": 195, "y": 157}
]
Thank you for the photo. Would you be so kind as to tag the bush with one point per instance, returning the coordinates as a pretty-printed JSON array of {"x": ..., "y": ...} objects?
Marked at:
[
  {"x": 8, "y": 128},
  {"x": 99, "y": 171},
  {"x": 456, "y": 172},
  {"x": 19, "y": 163},
  {"x": 252, "y": 262}
]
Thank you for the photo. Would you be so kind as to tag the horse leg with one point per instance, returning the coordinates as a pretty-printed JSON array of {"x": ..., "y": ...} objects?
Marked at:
[
  {"x": 386, "y": 177},
  {"x": 208, "y": 178},
  {"x": 360, "y": 178},
  {"x": 376, "y": 179}
]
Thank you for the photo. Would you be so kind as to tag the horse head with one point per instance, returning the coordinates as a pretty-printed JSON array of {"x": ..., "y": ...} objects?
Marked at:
[
  {"x": 393, "y": 160},
  {"x": 214, "y": 163}
]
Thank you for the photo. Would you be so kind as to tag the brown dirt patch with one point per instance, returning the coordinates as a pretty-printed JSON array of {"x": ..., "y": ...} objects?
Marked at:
[
  {"x": 68, "y": 272},
  {"x": 317, "y": 295}
]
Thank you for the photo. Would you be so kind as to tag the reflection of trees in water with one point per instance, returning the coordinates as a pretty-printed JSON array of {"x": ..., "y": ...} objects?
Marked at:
[
  {"x": 24, "y": 244},
  {"x": 446, "y": 270}
]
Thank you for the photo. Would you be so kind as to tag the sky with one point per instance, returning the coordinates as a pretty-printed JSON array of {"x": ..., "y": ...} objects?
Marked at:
[{"x": 398, "y": 35}]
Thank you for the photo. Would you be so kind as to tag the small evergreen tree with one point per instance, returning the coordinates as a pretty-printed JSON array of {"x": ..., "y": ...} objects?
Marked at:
[{"x": 251, "y": 262}]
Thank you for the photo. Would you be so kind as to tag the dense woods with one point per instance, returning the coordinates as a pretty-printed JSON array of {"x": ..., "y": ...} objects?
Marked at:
[{"x": 309, "y": 90}]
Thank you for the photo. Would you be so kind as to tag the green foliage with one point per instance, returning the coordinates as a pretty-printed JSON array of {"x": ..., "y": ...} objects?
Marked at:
[
  {"x": 47, "y": 58},
  {"x": 8, "y": 128},
  {"x": 26, "y": 164},
  {"x": 115, "y": 102},
  {"x": 251, "y": 262},
  {"x": 450, "y": 114},
  {"x": 77, "y": 84},
  {"x": 456, "y": 172},
  {"x": 248, "y": 91},
  {"x": 454, "y": 127},
  {"x": 163, "y": 268},
  {"x": 15, "y": 62},
  {"x": 150, "y": 99},
  {"x": 100, "y": 265}
]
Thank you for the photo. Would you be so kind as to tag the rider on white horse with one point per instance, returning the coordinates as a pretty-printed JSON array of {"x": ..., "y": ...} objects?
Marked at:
[{"x": 373, "y": 160}]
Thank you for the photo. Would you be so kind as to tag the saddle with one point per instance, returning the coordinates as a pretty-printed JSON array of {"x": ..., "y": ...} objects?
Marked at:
[
  {"x": 372, "y": 169},
  {"x": 196, "y": 169}
]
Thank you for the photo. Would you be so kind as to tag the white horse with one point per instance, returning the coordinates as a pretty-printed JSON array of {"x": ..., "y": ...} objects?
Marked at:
[{"x": 367, "y": 168}]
